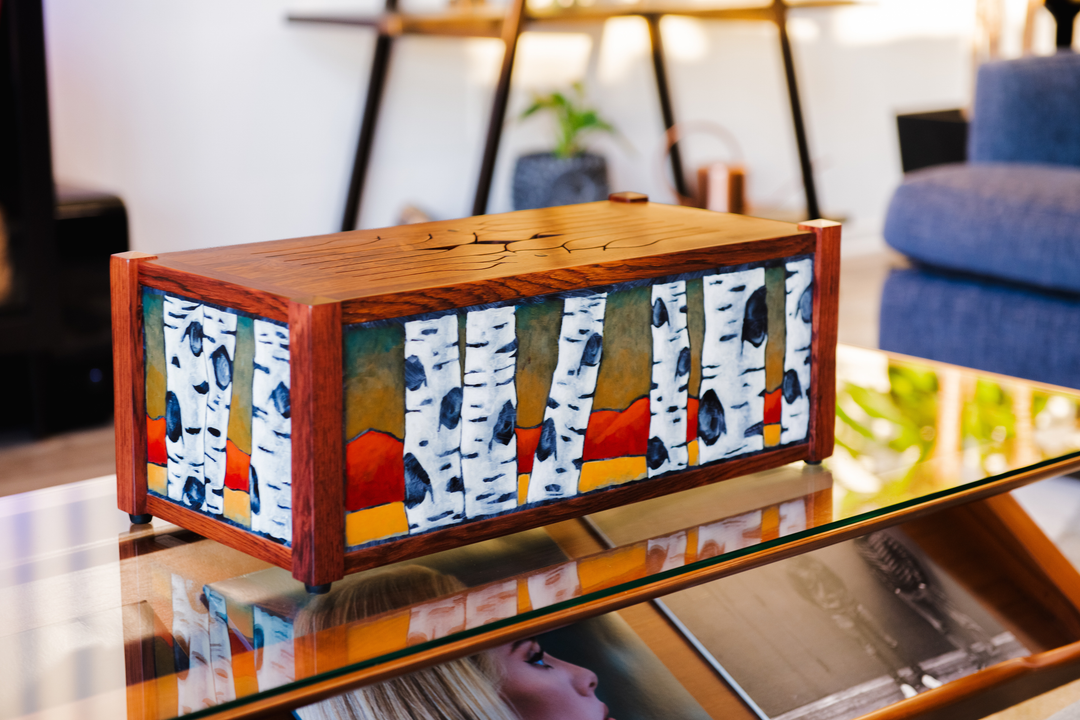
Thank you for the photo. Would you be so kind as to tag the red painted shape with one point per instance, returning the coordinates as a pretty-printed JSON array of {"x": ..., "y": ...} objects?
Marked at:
[
  {"x": 155, "y": 441},
  {"x": 691, "y": 419},
  {"x": 772, "y": 407},
  {"x": 374, "y": 471},
  {"x": 237, "y": 463},
  {"x": 614, "y": 433},
  {"x": 527, "y": 440}
]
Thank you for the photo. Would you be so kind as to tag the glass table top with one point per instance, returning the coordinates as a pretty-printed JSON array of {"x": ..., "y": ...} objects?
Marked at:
[{"x": 106, "y": 619}]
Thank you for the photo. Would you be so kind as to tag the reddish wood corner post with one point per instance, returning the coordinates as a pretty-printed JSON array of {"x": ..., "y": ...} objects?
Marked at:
[
  {"x": 129, "y": 380},
  {"x": 318, "y": 447},
  {"x": 823, "y": 345}
]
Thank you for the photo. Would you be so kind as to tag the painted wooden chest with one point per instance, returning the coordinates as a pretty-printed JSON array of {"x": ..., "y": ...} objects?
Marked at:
[{"x": 333, "y": 403}]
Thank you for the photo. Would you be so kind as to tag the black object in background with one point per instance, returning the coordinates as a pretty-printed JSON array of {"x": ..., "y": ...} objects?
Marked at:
[{"x": 932, "y": 138}]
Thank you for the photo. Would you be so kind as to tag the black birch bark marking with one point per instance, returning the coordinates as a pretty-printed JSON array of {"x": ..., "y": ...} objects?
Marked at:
[
  {"x": 489, "y": 413},
  {"x": 271, "y": 431},
  {"x": 219, "y": 338},
  {"x": 732, "y": 365},
  {"x": 667, "y": 446},
  {"x": 798, "y": 312},
  {"x": 186, "y": 391},
  {"x": 433, "y": 399},
  {"x": 557, "y": 466}
]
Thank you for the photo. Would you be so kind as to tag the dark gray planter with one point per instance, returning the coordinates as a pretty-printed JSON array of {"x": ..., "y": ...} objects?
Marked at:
[{"x": 543, "y": 180}]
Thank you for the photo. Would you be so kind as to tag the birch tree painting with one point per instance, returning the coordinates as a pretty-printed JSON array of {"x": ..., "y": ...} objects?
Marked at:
[
  {"x": 271, "y": 429},
  {"x": 730, "y": 534},
  {"x": 489, "y": 413},
  {"x": 799, "y": 312},
  {"x": 792, "y": 517},
  {"x": 667, "y": 552},
  {"x": 434, "y": 493},
  {"x": 557, "y": 466},
  {"x": 667, "y": 449},
  {"x": 220, "y": 649},
  {"x": 495, "y": 602},
  {"x": 191, "y": 633},
  {"x": 275, "y": 659},
  {"x": 731, "y": 407},
  {"x": 219, "y": 340},
  {"x": 185, "y": 401}
]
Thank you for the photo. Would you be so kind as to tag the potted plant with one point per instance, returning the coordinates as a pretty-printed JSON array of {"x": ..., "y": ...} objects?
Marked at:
[{"x": 567, "y": 174}]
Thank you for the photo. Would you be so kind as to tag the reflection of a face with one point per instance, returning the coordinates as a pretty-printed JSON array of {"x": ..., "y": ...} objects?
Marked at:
[{"x": 541, "y": 687}]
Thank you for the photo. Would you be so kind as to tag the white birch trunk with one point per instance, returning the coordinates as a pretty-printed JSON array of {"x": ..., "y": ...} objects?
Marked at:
[
  {"x": 489, "y": 413},
  {"x": 495, "y": 602},
  {"x": 667, "y": 552},
  {"x": 437, "y": 619},
  {"x": 278, "y": 666},
  {"x": 185, "y": 401},
  {"x": 553, "y": 586},
  {"x": 271, "y": 429},
  {"x": 792, "y": 517},
  {"x": 729, "y": 535},
  {"x": 434, "y": 495},
  {"x": 798, "y": 309},
  {"x": 732, "y": 370},
  {"x": 557, "y": 466},
  {"x": 667, "y": 448},
  {"x": 195, "y": 687},
  {"x": 220, "y": 649},
  {"x": 219, "y": 333}
]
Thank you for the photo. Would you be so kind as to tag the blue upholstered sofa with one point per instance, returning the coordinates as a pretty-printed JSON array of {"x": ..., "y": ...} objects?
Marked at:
[{"x": 1012, "y": 211}]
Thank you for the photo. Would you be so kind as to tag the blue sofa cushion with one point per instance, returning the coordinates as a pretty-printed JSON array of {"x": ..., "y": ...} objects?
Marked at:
[
  {"x": 1013, "y": 221},
  {"x": 1007, "y": 329},
  {"x": 1027, "y": 110}
]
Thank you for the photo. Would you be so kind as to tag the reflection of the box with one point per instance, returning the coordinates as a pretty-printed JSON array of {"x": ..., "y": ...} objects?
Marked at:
[{"x": 196, "y": 643}]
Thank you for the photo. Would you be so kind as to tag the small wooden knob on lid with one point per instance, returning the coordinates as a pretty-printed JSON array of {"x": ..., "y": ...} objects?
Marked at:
[{"x": 628, "y": 197}]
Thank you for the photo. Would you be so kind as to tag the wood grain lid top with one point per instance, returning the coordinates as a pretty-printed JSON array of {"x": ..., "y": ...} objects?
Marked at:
[{"x": 409, "y": 258}]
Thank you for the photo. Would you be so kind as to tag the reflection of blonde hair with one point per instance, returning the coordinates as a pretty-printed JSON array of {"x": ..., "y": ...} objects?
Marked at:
[{"x": 463, "y": 689}]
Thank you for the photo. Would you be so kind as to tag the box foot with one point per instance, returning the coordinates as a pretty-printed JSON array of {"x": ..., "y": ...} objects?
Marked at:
[
  {"x": 140, "y": 519},
  {"x": 318, "y": 589}
]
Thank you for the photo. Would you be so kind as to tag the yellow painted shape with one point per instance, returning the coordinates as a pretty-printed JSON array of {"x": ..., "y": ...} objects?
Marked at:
[
  {"x": 692, "y": 451},
  {"x": 157, "y": 478},
  {"x": 604, "y": 473},
  {"x": 238, "y": 506},
  {"x": 772, "y": 435},
  {"x": 612, "y": 568},
  {"x": 524, "y": 600},
  {"x": 155, "y": 390},
  {"x": 381, "y": 521},
  {"x": 523, "y": 488},
  {"x": 366, "y": 640},
  {"x": 245, "y": 680}
]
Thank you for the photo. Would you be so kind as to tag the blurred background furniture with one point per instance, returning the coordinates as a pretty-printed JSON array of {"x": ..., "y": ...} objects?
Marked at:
[
  {"x": 55, "y": 243},
  {"x": 508, "y": 24}
]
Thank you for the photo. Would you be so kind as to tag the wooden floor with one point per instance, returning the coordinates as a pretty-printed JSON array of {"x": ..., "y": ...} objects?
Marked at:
[{"x": 27, "y": 465}]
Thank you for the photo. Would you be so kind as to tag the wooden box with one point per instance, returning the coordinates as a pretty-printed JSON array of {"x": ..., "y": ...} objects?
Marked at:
[{"x": 333, "y": 403}]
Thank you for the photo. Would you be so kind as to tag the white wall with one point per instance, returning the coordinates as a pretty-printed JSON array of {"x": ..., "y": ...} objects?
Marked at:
[{"x": 218, "y": 122}]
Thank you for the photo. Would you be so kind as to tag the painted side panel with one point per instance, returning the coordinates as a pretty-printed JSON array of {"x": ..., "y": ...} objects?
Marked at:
[{"x": 667, "y": 448}]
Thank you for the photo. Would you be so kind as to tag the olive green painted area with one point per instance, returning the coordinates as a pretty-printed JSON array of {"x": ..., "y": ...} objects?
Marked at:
[
  {"x": 154, "y": 353},
  {"x": 775, "y": 281},
  {"x": 462, "y": 322},
  {"x": 695, "y": 323},
  {"x": 242, "y": 375},
  {"x": 538, "y": 328},
  {"x": 626, "y": 356},
  {"x": 374, "y": 363}
]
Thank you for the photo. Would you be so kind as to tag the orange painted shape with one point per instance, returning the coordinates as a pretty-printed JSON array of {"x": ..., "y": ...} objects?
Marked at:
[
  {"x": 375, "y": 523},
  {"x": 605, "y": 473},
  {"x": 374, "y": 471},
  {"x": 527, "y": 440},
  {"x": 622, "y": 565},
  {"x": 772, "y": 435},
  {"x": 772, "y": 406},
  {"x": 366, "y": 640},
  {"x": 615, "y": 433},
  {"x": 237, "y": 464},
  {"x": 155, "y": 441}
]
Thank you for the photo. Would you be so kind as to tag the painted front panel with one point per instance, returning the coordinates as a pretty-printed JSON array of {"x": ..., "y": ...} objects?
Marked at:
[
  {"x": 482, "y": 411},
  {"x": 218, "y": 415}
]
